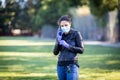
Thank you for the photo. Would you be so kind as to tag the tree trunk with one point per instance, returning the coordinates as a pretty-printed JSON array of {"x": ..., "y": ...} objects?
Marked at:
[
  {"x": 112, "y": 27},
  {"x": 119, "y": 22}
]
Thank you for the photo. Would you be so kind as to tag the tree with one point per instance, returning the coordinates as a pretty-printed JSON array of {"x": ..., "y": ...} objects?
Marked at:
[
  {"x": 50, "y": 11},
  {"x": 119, "y": 21},
  {"x": 18, "y": 13},
  {"x": 6, "y": 17},
  {"x": 33, "y": 14},
  {"x": 100, "y": 7}
]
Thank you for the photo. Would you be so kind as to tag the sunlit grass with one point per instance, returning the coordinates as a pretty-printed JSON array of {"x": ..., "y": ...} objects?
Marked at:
[
  {"x": 22, "y": 43},
  {"x": 24, "y": 54},
  {"x": 28, "y": 58}
]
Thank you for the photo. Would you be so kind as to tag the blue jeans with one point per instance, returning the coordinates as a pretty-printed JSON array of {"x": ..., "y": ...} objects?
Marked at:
[{"x": 70, "y": 72}]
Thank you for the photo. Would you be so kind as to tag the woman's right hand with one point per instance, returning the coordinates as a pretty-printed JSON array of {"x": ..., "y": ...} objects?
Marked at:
[{"x": 59, "y": 35}]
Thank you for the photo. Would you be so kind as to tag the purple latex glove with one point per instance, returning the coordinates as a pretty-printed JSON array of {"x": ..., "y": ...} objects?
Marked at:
[
  {"x": 59, "y": 34},
  {"x": 64, "y": 43}
]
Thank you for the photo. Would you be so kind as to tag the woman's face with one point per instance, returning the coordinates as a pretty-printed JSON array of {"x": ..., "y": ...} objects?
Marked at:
[{"x": 65, "y": 26}]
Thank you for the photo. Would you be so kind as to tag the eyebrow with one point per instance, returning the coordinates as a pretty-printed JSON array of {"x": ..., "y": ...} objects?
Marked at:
[{"x": 64, "y": 25}]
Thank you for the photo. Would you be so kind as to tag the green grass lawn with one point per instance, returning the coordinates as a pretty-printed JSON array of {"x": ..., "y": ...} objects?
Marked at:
[{"x": 28, "y": 58}]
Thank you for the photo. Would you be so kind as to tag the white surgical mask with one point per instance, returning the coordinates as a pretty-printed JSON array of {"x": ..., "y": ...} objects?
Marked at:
[{"x": 65, "y": 29}]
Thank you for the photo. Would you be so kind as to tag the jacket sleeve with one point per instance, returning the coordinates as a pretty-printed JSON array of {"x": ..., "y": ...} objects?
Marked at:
[
  {"x": 79, "y": 48},
  {"x": 57, "y": 48}
]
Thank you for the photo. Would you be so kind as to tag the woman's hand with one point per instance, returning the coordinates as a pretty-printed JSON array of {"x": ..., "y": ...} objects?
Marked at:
[
  {"x": 64, "y": 43},
  {"x": 59, "y": 35}
]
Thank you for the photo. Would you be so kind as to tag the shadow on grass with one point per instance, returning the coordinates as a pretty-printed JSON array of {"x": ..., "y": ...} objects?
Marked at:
[
  {"x": 27, "y": 64},
  {"x": 100, "y": 57},
  {"x": 111, "y": 63},
  {"x": 43, "y": 48},
  {"x": 107, "y": 63},
  {"x": 30, "y": 78}
]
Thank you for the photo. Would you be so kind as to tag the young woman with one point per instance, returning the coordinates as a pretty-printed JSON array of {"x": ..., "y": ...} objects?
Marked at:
[{"x": 68, "y": 43}]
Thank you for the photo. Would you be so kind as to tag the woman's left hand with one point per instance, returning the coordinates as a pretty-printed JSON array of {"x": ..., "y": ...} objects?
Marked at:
[{"x": 64, "y": 43}]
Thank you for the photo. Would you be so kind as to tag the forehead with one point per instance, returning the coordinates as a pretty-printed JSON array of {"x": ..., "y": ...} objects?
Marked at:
[{"x": 64, "y": 22}]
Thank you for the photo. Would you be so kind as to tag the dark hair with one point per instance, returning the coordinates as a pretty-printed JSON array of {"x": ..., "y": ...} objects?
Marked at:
[{"x": 64, "y": 18}]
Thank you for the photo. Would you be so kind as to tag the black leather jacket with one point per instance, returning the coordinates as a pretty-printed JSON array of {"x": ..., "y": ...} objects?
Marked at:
[{"x": 74, "y": 39}]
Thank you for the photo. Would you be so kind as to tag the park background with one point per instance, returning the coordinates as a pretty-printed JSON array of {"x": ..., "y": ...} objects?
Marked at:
[{"x": 28, "y": 31}]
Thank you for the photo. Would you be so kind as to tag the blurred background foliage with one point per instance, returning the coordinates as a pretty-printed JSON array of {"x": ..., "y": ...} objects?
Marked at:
[
  {"x": 101, "y": 7},
  {"x": 31, "y": 15}
]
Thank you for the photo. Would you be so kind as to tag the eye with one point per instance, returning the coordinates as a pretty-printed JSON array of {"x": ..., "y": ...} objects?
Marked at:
[{"x": 64, "y": 25}]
